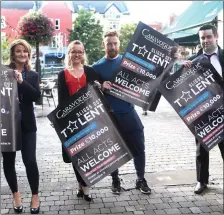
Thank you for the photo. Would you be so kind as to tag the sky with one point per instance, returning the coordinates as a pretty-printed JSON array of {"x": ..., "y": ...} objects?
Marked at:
[{"x": 151, "y": 11}]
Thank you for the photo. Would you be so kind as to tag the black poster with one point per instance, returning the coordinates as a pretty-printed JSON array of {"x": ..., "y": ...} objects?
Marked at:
[
  {"x": 197, "y": 97},
  {"x": 146, "y": 56},
  {"x": 10, "y": 114},
  {"x": 89, "y": 135}
]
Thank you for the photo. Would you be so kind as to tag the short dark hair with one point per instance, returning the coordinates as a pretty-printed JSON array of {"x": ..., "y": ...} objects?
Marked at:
[
  {"x": 208, "y": 27},
  {"x": 111, "y": 34}
]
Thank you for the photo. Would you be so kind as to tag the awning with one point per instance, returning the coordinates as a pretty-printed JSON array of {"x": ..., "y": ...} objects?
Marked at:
[
  {"x": 184, "y": 33},
  {"x": 187, "y": 37},
  {"x": 197, "y": 14}
]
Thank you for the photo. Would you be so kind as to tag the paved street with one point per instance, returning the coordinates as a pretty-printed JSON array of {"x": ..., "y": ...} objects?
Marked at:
[{"x": 170, "y": 172}]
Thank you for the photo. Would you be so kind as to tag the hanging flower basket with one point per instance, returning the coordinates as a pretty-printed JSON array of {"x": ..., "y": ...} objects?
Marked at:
[{"x": 35, "y": 27}]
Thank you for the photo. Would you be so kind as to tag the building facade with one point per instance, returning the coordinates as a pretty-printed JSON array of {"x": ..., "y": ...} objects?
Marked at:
[
  {"x": 63, "y": 15},
  {"x": 109, "y": 13},
  {"x": 8, "y": 22}
]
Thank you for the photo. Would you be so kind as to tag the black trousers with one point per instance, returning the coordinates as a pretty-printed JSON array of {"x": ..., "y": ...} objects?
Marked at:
[
  {"x": 202, "y": 162},
  {"x": 29, "y": 159}
]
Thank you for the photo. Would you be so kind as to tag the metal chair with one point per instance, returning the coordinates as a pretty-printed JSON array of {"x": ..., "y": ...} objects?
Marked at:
[{"x": 47, "y": 92}]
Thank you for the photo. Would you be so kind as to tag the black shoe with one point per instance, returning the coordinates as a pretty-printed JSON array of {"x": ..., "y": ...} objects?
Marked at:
[
  {"x": 200, "y": 187},
  {"x": 88, "y": 198},
  {"x": 145, "y": 113},
  {"x": 116, "y": 186},
  {"x": 142, "y": 186},
  {"x": 80, "y": 194},
  {"x": 18, "y": 209},
  {"x": 35, "y": 210}
]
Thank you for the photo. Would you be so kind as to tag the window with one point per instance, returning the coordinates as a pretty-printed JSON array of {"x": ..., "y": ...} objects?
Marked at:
[
  {"x": 54, "y": 42},
  {"x": 57, "y": 24},
  {"x": 57, "y": 41},
  {"x": 3, "y": 36},
  {"x": 114, "y": 25},
  {"x": 113, "y": 13},
  {"x": 3, "y": 24}
]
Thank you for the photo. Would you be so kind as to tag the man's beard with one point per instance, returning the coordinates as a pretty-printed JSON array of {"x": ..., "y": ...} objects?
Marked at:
[{"x": 112, "y": 54}]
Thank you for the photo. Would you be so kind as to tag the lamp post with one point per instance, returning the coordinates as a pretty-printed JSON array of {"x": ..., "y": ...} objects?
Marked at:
[{"x": 37, "y": 65}]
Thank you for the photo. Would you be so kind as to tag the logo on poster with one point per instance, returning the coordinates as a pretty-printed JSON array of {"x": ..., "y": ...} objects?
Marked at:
[
  {"x": 142, "y": 51},
  {"x": 64, "y": 112},
  {"x": 155, "y": 40},
  {"x": 72, "y": 126}
]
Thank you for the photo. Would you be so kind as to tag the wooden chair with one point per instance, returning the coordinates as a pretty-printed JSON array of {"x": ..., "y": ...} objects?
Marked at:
[{"x": 47, "y": 92}]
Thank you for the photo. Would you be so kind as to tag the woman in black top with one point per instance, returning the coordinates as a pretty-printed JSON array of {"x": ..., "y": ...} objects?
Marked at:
[
  {"x": 75, "y": 76},
  {"x": 28, "y": 91}
]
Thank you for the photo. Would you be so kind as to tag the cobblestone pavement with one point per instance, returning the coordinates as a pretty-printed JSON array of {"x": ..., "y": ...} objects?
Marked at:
[{"x": 170, "y": 172}]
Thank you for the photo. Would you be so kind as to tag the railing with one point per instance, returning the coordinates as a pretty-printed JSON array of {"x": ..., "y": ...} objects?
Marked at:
[{"x": 47, "y": 72}]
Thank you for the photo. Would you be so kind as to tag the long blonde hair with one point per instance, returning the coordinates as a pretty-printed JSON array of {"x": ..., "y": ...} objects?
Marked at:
[
  {"x": 68, "y": 61},
  {"x": 27, "y": 47}
]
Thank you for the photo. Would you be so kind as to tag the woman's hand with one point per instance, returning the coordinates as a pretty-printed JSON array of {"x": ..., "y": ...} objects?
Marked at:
[
  {"x": 107, "y": 85},
  {"x": 97, "y": 84},
  {"x": 18, "y": 76}
]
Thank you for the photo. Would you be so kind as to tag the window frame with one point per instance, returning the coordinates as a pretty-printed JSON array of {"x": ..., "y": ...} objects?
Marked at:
[
  {"x": 3, "y": 18},
  {"x": 57, "y": 26},
  {"x": 54, "y": 41}
]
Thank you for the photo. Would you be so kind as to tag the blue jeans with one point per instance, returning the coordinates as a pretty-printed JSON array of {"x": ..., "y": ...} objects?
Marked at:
[{"x": 131, "y": 126}]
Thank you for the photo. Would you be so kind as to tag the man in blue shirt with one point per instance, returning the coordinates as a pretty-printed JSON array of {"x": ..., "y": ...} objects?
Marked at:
[{"x": 124, "y": 112}]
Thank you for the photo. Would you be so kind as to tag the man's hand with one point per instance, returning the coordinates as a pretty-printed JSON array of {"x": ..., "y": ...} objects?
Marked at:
[
  {"x": 107, "y": 85},
  {"x": 18, "y": 76},
  {"x": 187, "y": 63}
]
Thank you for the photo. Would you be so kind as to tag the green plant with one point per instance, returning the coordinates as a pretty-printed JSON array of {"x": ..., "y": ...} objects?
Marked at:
[
  {"x": 88, "y": 30},
  {"x": 5, "y": 51},
  {"x": 126, "y": 34}
]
